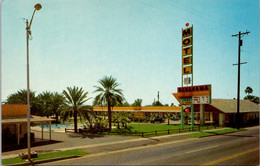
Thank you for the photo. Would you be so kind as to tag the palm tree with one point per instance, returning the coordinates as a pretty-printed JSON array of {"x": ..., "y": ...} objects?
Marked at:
[
  {"x": 248, "y": 90},
  {"x": 137, "y": 103},
  {"x": 57, "y": 101},
  {"x": 108, "y": 94},
  {"x": 44, "y": 103},
  {"x": 74, "y": 99}
]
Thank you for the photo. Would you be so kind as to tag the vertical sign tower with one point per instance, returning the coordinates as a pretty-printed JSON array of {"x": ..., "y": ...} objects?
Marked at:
[
  {"x": 187, "y": 56},
  {"x": 187, "y": 65},
  {"x": 189, "y": 94}
]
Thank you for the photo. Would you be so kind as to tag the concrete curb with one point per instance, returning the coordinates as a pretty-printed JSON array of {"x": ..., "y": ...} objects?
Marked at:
[
  {"x": 44, "y": 161},
  {"x": 218, "y": 134}
]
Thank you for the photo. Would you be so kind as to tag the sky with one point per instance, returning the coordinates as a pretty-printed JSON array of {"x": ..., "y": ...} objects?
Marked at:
[{"x": 78, "y": 42}]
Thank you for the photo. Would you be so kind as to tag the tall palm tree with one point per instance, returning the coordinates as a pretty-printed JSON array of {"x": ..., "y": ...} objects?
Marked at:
[
  {"x": 74, "y": 99},
  {"x": 108, "y": 94}
]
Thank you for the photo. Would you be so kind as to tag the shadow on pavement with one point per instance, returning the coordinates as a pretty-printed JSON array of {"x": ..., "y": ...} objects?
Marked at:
[
  {"x": 34, "y": 144},
  {"x": 92, "y": 136},
  {"x": 84, "y": 135}
]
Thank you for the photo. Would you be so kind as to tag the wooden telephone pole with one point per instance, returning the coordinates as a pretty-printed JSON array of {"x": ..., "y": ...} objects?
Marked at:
[{"x": 240, "y": 43}]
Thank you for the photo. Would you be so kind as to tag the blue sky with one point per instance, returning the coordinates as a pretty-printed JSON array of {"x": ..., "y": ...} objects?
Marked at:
[{"x": 78, "y": 42}]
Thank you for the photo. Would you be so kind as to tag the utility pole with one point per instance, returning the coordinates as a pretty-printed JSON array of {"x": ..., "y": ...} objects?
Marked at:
[
  {"x": 158, "y": 96},
  {"x": 240, "y": 43}
]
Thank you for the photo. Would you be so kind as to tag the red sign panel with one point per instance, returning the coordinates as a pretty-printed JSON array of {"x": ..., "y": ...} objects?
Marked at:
[{"x": 194, "y": 88}]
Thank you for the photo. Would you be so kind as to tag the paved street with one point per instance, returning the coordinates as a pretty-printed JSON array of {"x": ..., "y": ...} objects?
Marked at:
[{"x": 240, "y": 148}]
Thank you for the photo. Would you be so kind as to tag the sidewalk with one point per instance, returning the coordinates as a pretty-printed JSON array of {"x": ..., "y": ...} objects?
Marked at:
[{"x": 96, "y": 143}]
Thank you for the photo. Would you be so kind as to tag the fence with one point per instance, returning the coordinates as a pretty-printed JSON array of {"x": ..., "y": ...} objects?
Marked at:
[
  {"x": 69, "y": 130},
  {"x": 148, "y": 133},
  {"x": 175, "y": 131},
  {"x": 94, "y": 130}
]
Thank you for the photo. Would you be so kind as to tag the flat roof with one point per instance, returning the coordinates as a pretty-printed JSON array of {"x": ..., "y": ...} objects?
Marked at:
[
  {"x": 23, "y": 119},
  {"x": 139, "y": 109}
]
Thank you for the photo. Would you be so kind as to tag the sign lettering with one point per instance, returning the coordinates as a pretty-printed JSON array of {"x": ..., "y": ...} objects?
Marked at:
[
  {"x": 186, "y": 60},
  {"x": 186, "y": 99},
  {"x": 200, "y": 99},
  {"x": 187, "y": 32},
  {"x": 138, "y": 114},
  {"x": 186, "y": 51},
  {"x": 187, "y": 42},
  {"x": 194, "y": 88},
  {"x": 186, "y": 70}
]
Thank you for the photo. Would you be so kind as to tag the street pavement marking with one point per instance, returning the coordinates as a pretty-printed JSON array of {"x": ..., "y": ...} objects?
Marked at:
[
  {"x": 128, "y": 149},
  {"x": 139, "y": 147},
  {"x": 202, "y": 149},
  {"x": 232, "y": 156}
]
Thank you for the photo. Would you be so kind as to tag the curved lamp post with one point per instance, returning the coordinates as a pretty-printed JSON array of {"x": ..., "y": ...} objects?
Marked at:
[{"x": 28, "y": 33}]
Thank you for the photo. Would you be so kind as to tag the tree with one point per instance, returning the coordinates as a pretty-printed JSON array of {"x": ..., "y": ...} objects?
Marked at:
[
  {"x": 168, "y": 116},
  {"x": 44, "y": 104},
  {"x": 108, "y": 94},
  {"x": 252, "y": 98},
  {"x": 248, "y": 90},
  {"x": 125, "y": 104},
  {"x": 74, "y": 99},
  {"x": 137, "y": 103},
  {"x": 20, "y": 97},
  {"x": 125, "y": 118},
  {"x": 157, "y": 103},
  {"x": 116, "y": 118},
  {"x": 57, "y": 102},
  {"x": 256, "y": 100}
]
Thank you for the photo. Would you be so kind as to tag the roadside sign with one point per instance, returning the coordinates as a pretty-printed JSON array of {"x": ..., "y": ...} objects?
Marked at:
[
  {"x": 200, "y": 94},
  {"x": 187, "y": 60},
  {"x": 187, "y": 80},
  {"x": 200, "y": 99},
  {"x": 139, "y": 114},
  {"x": 186, "y": 70},
  {"x": 186, "y": 99}
]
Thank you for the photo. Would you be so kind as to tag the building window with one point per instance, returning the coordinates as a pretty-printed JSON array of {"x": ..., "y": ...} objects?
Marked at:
[{"x": 207, "y": 116}]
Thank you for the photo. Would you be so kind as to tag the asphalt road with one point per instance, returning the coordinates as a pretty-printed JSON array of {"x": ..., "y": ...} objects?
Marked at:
[{"x": 240, "y": 148}]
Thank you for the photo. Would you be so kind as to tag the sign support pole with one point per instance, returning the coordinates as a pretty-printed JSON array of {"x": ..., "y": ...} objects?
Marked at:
[
  {"x": 192, "y": 57},
  {"x": 192, "y": 109},
  {"x": 192, "y": 117},
  {"x": 182, "y": 117}
]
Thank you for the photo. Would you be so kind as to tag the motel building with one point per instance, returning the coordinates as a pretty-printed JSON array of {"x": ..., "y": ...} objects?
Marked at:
[
  {"x": 14, "y": 125},
  {"x": 220, "y": 112}
]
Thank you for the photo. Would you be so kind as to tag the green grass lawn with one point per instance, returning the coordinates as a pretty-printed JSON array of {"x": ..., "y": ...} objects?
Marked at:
[
  {"x": 45, "y": 156},
  {"x": 209, "y": 133},
  {"x": 162, "y": 129},
  {"x": 146, "y": 127}
]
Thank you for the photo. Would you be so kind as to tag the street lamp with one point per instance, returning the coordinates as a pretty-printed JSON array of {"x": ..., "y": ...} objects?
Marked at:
[{"x": 28, "y": 33}]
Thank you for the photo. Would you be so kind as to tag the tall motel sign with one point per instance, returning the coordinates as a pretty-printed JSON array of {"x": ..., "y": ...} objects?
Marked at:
[{"x": 189, "y": 95}]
